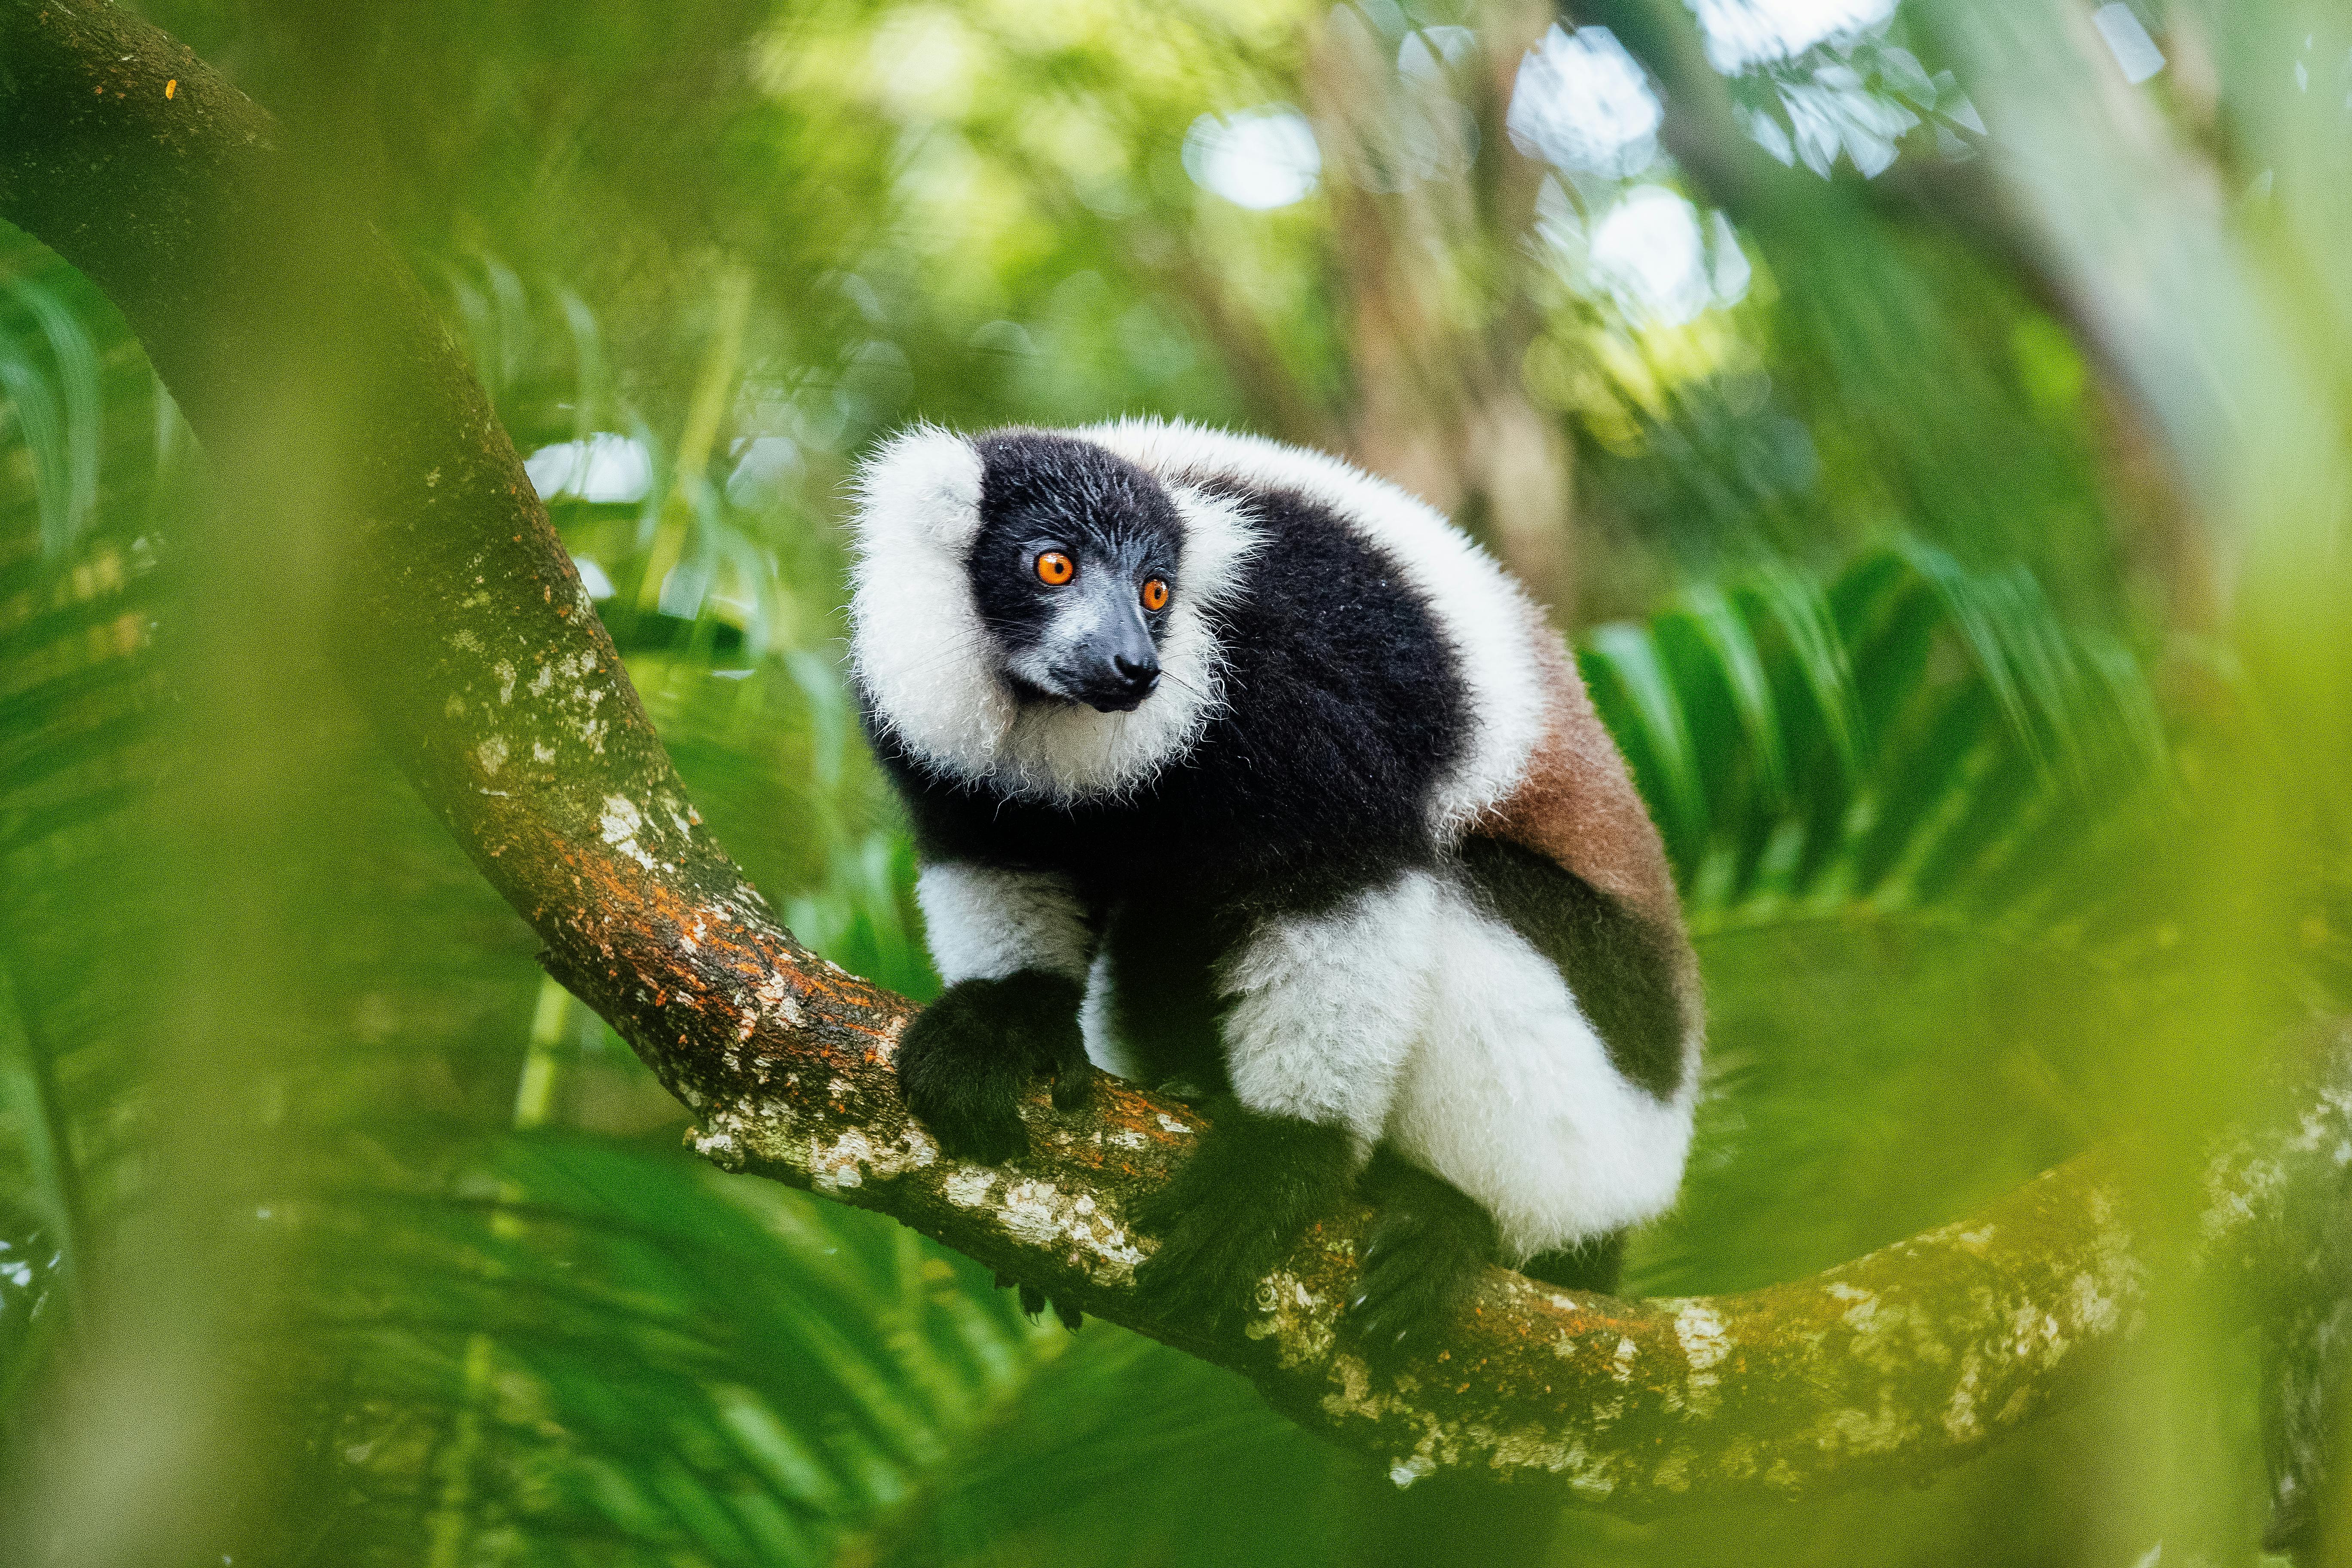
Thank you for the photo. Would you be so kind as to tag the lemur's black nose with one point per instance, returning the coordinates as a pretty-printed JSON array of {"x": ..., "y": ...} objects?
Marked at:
[{"x": 1126, "y": 679}]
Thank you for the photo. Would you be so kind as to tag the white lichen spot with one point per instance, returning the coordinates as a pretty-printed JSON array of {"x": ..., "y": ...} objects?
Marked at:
[
  {"x": 851, "y": 1158},
  {"x": 1674, "y": 1476},
  {"x": 1042, "y": 1214},
  {"x": 838, "y": 1088},
  {"x": 1960, "y": 1416},
  {"x": 2094, "y": 1309},
  {"x": 620, "y": 825},
  {"x": 776, "y": 996},
  {"x": 1976, "y": 1241},
  {"x": 968, "y": 1188},
  {"x": 1869, "y": 1432},
  {"x": 454, "y": 708},
  {"x": 540, "y": 751},
  {"x": 506, "y": 674},
  {"x": 719, "y": 1147},
  {"x": 1861, "y": 1312},
  {"x": 2235, "y": 1194},
  {"x": 1701, "y": 1334},
  {"x": 464, "y": 640},
  {"x": 493, "y": 754},
  {"x": 1128, "y": 1138},
  {"x": 1173, "y": 1125},
  {"x": 542, "y": 681},
  {"x": 1621, "y": 1365}
]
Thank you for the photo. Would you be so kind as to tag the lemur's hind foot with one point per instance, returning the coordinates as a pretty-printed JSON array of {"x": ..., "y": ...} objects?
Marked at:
[{"x": 1421, "y": 1259}]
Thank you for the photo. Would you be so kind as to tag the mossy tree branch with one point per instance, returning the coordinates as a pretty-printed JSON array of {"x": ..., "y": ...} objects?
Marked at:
[{"x": 470, "y": 640}]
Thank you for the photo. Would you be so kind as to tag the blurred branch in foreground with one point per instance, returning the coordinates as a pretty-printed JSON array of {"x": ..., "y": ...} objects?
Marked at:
[{"x": 475, "y": 646}]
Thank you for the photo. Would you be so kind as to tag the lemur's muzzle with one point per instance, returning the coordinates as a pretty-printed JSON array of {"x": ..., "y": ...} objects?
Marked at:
[{"x": 1117, "y": 666}]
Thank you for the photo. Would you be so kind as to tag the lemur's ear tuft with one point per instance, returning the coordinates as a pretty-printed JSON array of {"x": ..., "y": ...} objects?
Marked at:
[{"x": 924, "y": 482}]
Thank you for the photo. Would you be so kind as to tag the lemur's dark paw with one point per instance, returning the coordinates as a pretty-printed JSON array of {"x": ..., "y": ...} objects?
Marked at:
[
  {"x": 967, "y": 1061},
  {"x": 1074, "y": 1083},
  {"x": 1415, "y": 1276},
  {"x": 1208, "y": 1268},
  {"x": 971, "y": 1104},
  {"x": 1419, "y": 1263},
  {"x": 1234, "y": 1210}
]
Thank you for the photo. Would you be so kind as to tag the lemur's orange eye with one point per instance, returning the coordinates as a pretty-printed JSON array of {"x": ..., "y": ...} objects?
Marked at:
[
  {"x": 1054, "y": 568},
  {"x": 1155, "y": 595}
]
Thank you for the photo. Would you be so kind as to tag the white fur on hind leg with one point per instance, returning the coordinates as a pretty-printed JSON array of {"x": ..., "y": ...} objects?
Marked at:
[
  {"x": 1511, "y": 1096},
  {"x": 1326, "y": 1007}
]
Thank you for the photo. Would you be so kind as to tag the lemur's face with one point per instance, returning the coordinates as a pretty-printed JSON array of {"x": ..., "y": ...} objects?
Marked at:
[{"x": 1073, "y": 570}]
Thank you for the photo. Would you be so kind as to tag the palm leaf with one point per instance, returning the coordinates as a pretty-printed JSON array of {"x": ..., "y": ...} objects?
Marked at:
[{"x": 1893, "y": 736}]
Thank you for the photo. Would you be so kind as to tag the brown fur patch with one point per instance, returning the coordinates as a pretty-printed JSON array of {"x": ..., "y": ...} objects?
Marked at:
[{"x": 1577, "y": 806}]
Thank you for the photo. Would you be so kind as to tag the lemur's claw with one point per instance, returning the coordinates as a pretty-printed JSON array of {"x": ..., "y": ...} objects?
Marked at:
[{"x": 1231, "y": 1212}]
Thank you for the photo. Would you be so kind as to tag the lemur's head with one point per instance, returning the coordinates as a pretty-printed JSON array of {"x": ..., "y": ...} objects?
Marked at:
[
  {"x": 1073, "y": 570},
  {"x": 1036, "y": 610}
]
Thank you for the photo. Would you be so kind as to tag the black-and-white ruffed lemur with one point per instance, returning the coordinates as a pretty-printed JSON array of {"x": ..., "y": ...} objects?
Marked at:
[{"x": 1232, "y": 766}]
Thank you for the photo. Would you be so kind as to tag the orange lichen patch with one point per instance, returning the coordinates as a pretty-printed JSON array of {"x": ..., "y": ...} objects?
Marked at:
[{"x": 171, "y": 87}]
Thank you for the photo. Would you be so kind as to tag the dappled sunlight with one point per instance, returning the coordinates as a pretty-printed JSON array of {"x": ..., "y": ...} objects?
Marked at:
[
  {"x": 1744, "y": 32},
  {"x": 1256, "y": 158},
  {"x": 1579, "y": 101}
]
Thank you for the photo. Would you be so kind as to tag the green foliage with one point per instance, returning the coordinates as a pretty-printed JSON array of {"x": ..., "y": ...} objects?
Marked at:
[{"x": 1879, "y": 666}]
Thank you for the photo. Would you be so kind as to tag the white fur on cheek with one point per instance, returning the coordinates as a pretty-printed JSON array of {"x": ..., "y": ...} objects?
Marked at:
[
  {"x": 982, "y": 923},
  {"x": 1512, "y": 1098},
  {"x": 916, "y": 641},
  {"x": 1326, "y": 1008}
]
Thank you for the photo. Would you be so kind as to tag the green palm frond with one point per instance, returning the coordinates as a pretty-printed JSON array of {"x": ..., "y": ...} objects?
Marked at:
[
  {"x": 1909, "y": 735},
  {"x": 79, "y": 693},
  {"x": 51, "y": 373},
  {"x": 674, "y": 1358}
]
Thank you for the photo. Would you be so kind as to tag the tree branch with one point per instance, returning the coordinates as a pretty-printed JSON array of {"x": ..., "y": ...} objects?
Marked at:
[{"x": 473, "y": 644}]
